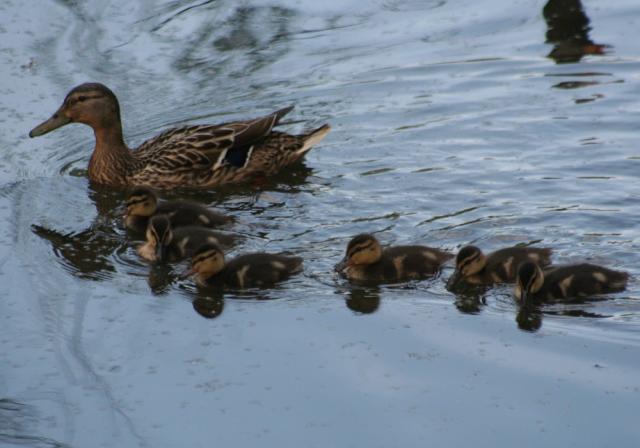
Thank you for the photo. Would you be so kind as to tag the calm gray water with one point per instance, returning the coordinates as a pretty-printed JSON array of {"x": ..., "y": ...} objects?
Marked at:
[{"x": 454, "y": 122}]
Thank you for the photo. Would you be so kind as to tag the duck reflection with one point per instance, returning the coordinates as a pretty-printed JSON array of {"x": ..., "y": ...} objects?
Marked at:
[
  {"x": 568, "y": 30},
  {"x": 88, "y": 254},
  {"x": 249, "y": 39}
]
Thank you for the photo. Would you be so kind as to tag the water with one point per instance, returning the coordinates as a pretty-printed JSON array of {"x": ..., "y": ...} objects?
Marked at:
[{"x": 450, "y": 126}]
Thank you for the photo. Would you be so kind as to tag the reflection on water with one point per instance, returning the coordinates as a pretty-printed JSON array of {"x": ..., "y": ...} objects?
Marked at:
[
  {"x": 363, "y": 299},
  {"x": 248, "y": 39},
  {"x": 568, "y": 31},
  {"x": 529, "y": 317},
  {"x": 209, "y": 305},
  {"x": 89, "y": 253},
  {"x": 471, "y": 301}
]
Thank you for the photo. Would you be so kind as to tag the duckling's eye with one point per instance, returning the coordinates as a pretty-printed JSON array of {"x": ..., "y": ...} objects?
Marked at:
[{"x": 81, "y": 98}]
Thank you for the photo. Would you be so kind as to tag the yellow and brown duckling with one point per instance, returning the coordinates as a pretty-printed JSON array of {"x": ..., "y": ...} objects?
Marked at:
[
  {"x": 367, "y": 262},
  {"x": 209, "y": 267},
  {"x": 475, "y": 268},
  {"x": 560, "y": 283},
  {"x": 142, "y": 204},
  {"x": 167, "y": 244},
  {"x": 200, "y": 156}
]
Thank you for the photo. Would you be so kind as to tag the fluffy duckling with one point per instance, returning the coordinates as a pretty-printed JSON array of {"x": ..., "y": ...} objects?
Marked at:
[
  {"x": 365, "y": 261},
  {"x": 167, "y": 244},
  {"x": 566, "y": 282},
  {"x": 475, "y": 268},
  {"x": 142, "y": 204},
  {"x": 258, "y": 269}
]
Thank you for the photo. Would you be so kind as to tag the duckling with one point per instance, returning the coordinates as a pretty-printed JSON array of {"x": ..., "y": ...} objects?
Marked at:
[
  {"x": 566, "y": 282},
  {"x": 249, "y": 270},
  {"x": 167, "y": 244},
  {"x": 142, "y": 204},
  {"x": 475, "y": 268},
  {"x": 366, "y": 261}
]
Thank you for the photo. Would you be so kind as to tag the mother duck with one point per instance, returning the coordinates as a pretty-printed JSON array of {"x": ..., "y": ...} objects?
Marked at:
[{"x": 199, "y": 156}]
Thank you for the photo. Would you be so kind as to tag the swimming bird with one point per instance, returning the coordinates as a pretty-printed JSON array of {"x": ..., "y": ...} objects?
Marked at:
[
  {"x": 365, "y": 261},
  {"x": 209, "y": 267},
  {"x": 566, "y": 282},
  {"x": 142, "y": 204},
  {"x": 197, "y": 156},
  {"x": 475, "y": 268},
  {"x": 167, "y": 244}
]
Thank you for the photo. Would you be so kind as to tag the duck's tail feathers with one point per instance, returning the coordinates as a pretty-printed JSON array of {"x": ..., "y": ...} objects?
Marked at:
[{"x": 313, "y": 138}]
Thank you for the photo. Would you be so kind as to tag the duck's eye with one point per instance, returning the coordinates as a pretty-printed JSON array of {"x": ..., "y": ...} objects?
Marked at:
[{"x": 81, "y": 98}]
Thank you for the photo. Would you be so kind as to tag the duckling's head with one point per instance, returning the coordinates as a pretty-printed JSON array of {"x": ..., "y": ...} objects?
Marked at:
[
  {"x": 141, "y": 202},
  {"x": 529, "y": 281},
  {"x": 363, "y": 249},
  {"x": 207, "y": 262},
  {"x": 91, "y": 103},
  {"x": 469, "y": 261},
  {"x": 159, "y": 235}
]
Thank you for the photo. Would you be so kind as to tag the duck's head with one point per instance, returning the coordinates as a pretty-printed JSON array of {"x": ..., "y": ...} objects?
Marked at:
[
  {"x": 207, "y": 261},
  {"x": 363, "y": 249},
  {"x": 93, "y": 104},
  {"x": 159, "y": 235},
  {"x": 141, "y": 202},
  {"x": 529, "y": 281},
  {"x": 469, "y": 261}
]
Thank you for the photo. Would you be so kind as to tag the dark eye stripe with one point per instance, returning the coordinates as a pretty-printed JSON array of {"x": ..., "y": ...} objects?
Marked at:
[
  {"x": 360, "y": 248},
  {"x": 136, "y": 200}
]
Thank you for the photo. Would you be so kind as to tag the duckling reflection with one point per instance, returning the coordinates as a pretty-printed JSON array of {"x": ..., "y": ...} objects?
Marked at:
[
  {"x": 562, "y": 283},
  {"x": 530, "y": 315},
  {"x": 142, "y": 204},
  {"x": 363, "y": 300},
  {"x": 568, "y": 29},
  {"x": 529, "y": 318},
  {"x": 160, "y": 278},
  {"x": 366, "y": 262},
  {"x": 167, "y": 244},
  {"x": 209, "y": 306},
  {"x": 473, "y": 267},
  {"x": 471, "y": 301}
]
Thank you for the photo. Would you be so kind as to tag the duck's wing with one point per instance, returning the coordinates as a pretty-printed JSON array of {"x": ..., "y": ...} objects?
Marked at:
[{"x": 200, "y": 147}]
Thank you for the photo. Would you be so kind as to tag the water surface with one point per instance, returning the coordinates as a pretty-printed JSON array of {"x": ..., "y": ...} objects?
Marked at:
[{"x": 454, "y": 122}]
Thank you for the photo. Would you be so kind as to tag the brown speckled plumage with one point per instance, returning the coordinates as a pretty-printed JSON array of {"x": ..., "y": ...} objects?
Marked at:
[
  {"x": 366, "y": 262},
  {"x": 560, "y": 283},
  {"x": 475, "y": 268},
  {"x": 199, "y": 156},
  {"x": 249, "y": 270}
]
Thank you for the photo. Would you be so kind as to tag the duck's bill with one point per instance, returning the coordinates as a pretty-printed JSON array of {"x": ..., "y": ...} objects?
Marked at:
[
  {"x": 187, "y": 274},
  {"x": 161, "y": 253},
  {"x": 57, "y": 120},
  {"x": 341, "y": 266}
]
